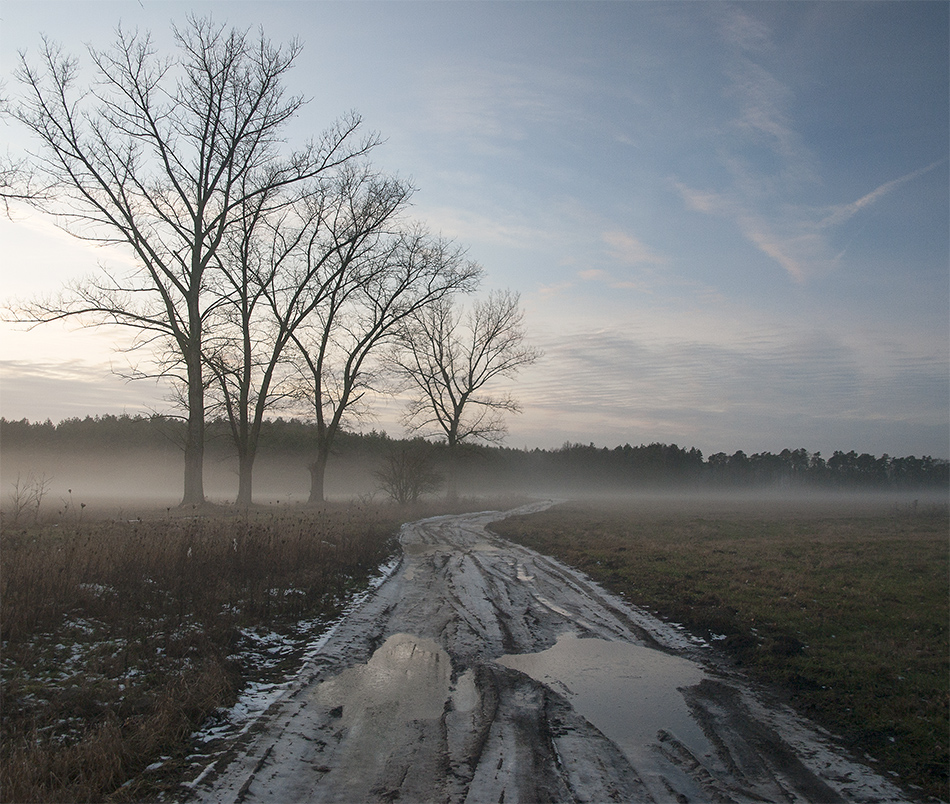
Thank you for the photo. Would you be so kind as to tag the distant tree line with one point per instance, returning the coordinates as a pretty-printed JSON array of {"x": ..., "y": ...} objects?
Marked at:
[
  {"x": 844, "y": 469},
  {"x": 569, "y": 467}
]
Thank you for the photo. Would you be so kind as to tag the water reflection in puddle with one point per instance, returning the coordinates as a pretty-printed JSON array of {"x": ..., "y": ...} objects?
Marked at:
[
  {"x": 408, "y": 678},
  {"x": 390, "y": 710},
  {"x": 629, "y": 692}
]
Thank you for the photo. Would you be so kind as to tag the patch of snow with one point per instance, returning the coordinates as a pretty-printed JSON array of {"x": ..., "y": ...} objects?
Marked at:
[{"x": 257, "y": 697}]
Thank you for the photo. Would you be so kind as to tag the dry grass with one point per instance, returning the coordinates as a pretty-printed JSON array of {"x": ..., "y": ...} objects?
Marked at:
[
  {"x": 845, "y": 607},
  {"x": 119, "y": 635}
]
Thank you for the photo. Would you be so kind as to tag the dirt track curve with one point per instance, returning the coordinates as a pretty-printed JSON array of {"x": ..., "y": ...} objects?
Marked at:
[{"x": 481, "y": 671}]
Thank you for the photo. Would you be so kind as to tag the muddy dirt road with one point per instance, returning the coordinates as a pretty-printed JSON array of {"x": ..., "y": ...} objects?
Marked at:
[{"x": 481, "y": 671}]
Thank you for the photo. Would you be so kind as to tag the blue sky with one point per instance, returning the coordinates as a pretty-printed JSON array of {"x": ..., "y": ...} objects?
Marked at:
[{"x": 728, "y": 222}]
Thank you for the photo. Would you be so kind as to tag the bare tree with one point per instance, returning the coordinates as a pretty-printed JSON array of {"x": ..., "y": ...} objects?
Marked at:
[
  {"x": 452, "y": 361},
  {"x": 27, "y": 496},
  {"x": 242, "y": 352},
  {"x": 279, "y": 272},
  {"x": 165, "y": 156},
  {"x": 379, "y": 286},
  {"x": 407, "y": 472}
]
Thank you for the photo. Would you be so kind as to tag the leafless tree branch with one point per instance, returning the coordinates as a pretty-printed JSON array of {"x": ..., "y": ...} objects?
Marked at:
[{"x": 451, "y": 361}]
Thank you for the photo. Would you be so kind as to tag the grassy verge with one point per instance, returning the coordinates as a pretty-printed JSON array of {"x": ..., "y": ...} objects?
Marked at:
[
  {"x": 121, "y": 636},
  {"x": 846, "y": 609}
]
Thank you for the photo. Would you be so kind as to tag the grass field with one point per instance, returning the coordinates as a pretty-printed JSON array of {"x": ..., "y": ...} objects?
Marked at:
[{"x": 843, "y": 603}]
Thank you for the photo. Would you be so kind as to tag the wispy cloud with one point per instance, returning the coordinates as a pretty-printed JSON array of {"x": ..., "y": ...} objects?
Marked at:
[
  {"x": 628, "y": 250},
  {"x": 630, "y": 385},
  {"x": 500, "y": 227},
  {"x": 763, "y": 120},
  {"x": 41, "y": 390},
  {"x": 766, "y": 158},
  {"x": 785, "y": 250},
  {"x": 798, "y": 236},
  {"x": 556, "y": 289},
  {"x": 839, "y": 214},
  {"x": 763, "y": 102},
  {"x": 772, "y": 173},
  {"x": 611, "y": 281},
  {"x": 490, "y": 105},
  {"x": 703, "y": 201},
  {"x": 744, "y": 32},
  {"x": 64, "y": 256},
  {"x": 795, "y": 250}
]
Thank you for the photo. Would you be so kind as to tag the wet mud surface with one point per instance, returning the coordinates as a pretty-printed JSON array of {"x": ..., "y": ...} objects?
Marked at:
[{"x": 481, "y": 671}]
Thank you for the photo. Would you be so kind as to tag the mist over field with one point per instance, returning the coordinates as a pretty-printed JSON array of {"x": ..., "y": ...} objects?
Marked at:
[
  {"x": 103, "y": 480},
  {"x": 153, "y": 478},
  {"x": 784, "y": 577}
]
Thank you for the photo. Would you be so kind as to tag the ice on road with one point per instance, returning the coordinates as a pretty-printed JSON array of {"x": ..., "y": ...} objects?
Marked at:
[{"x": 481, "y": 671}]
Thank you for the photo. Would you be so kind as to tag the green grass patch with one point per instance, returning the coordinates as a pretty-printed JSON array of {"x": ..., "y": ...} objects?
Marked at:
[{"x": 845, "y": 608}]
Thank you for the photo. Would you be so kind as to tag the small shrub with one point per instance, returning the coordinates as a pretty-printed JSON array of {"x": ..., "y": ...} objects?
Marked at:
[
  {"x": 27, "y": 497},
  {"x": 408, "y": 472}
]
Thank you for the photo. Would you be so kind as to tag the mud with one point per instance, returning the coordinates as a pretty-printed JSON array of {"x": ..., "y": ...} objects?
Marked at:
[{"x": 481, "y": 671}]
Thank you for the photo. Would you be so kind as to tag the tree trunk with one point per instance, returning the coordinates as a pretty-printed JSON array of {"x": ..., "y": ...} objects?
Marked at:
[
  {"x": 195, "y": 438},
  {"x": 318, "y": 471},
  {"x": 245, "y": 477},
  {"x": 451, "y": 478}
]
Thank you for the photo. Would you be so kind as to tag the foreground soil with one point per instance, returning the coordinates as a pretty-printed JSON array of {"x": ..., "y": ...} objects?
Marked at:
[{"x": 481, "y": 670}]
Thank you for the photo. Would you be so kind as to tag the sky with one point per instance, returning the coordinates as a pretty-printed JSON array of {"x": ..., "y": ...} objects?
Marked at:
[{"x": 728, "y": 222}]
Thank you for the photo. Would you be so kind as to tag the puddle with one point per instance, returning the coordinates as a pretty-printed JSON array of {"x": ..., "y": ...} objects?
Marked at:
[
  {"x": 629, "y": 692},
  {"x": 408, "y": 678},
  {"x": 389, "y": 710}
]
